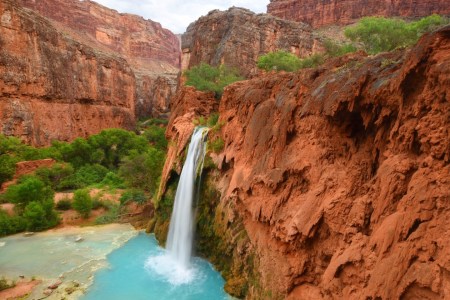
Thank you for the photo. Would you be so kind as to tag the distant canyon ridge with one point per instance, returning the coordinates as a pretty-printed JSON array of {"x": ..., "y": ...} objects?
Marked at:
[{"x": 71, "y": 68}]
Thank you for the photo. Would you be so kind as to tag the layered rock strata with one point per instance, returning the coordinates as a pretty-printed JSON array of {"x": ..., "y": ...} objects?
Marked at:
[
  {"x": 319, "y": 13},
  {"x": 334, "y": 182},
  {"x": 237, "y": 37},
  {"x": 53, "y": 87},
  {"x": 152, "y": 51}
]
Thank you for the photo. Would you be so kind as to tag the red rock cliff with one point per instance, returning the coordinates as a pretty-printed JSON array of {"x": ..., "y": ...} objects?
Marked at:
[
  {"x": 237, "y": 37},
  {"x": 325, "y": 12},
  {"x": 335, "y": 181},
  {"x": 55, "y": 88},
  {"x": 152, "y": 51}
]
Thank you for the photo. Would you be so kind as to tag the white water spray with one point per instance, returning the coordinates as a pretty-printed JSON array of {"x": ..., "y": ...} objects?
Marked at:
[{"x": 181, "y": 231}]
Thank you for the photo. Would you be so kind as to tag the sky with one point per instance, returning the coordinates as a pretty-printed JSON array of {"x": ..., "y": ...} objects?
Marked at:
[{"x": 176, "y": 15}]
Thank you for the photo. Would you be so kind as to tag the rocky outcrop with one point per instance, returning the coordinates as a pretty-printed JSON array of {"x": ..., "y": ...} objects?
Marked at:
[
  {"x": 321, "y": 13},
  {"x": 237, "y": 37},
  {"x": 188, "y": 105},
  {"x": 152, "y": 51},
  {"x": 53, "y": 87},
  {"x": 334, "y": 181}
]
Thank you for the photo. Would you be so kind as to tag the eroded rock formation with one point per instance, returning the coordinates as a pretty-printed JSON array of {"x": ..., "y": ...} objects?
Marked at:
[
  {"x": 237, "y": 37},
  {"x": 53, "y": 87},
  {"x": 152, "y": 51},
  {"x": 334, "y": 182},
  {"x": 320, "y": 12}
]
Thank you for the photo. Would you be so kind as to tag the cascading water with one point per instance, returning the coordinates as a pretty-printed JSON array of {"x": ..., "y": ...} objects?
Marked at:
[
  {"x": 175, "y": 266},
  {"x": 181, "y": 230}
]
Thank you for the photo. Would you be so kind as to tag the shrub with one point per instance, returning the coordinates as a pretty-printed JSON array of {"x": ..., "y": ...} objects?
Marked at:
[
  {"x": 97, "y": 203},
  {"x": 156, "y": 136},
  {"x": 216, "y": 145},
  {"x": 64, "y": 204},
  {"x": 135, "y": 195},
  {"x": 55, "y": 175},
  {"x": 82, "y": 203},
  {"x": 7, "y": 167},
  {"x": 85, "y": 176},
  {"x": 11, "y": 224},
  {"x": 29, "y": 188},
  {"x": 378, "y": 34},
  {"x": 285, "y": 61},
  {"x": 111, "y": 216},
  {"x": 334, "y": 50},
  {"x": 113, "y": 181},
  {"x": 312, "y": 61},
  {"x": 279, "y": 61},
  {"x": 40, "y": 215},
  {"x": 213, "y": 79},
  {"x": 143, "y": 171}
]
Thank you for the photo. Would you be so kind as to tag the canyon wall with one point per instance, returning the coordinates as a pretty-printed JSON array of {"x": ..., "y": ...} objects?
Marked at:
[
  {"x": 237, "y": 37},
  {"x": 152, "y": 51},
  {"x": 53, "y": 87},
  {"x": 324, "y": 12},
  {"x": 333, "y": 182}
]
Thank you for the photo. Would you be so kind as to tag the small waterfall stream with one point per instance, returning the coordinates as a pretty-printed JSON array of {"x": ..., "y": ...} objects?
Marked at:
[{"x": 181, "y": 230}]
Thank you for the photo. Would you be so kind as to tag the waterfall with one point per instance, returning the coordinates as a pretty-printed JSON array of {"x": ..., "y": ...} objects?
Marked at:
[{"x": 181, "y": 230}]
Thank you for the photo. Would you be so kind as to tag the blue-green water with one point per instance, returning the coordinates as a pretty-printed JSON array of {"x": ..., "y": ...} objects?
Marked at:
[{"x": 142, "y": 270}]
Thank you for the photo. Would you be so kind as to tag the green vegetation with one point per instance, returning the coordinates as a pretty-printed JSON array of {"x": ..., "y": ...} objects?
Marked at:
[
  {"x": 143, "y": 170},
  {"x": 279, "y": 61},
  {"x": 29, "y": 189},
  {"x": 64, "y": 204},
  {"x": 285, "y": 61},
  {"x": 216, "y": 145},
  {"x": 112, "y": 214},
  {"x": 378, "y": 34},
  {"x": 375, "y": 34},
  {"x": 82, "y": 203},
  {"x": 4, "y": 284},
  {"x": 212, "y": 79},
  {"x": 156, "y": 137},
  {"x": 11, "y": 224},
  {"x": 335, "y": 50},
  {"x": 112, "y": 159},
  {"x": 135, "y": 195}
]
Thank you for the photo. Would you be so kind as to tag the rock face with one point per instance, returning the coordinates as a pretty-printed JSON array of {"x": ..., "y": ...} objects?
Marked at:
[
  {"x": 140, "y": 40},
  {"x": 53, "y": 87},
  {"x": 324, "y": 12},
  {"x": 237, "y": 37},
  {"x": 152, "y": 51},
  {"x": 187, "y": 105},
  {"x": 334, "y": 182}
]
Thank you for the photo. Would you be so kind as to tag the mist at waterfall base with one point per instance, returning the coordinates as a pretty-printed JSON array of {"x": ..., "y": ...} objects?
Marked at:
[
  {"x": 130, "y": 277},
  {"x": 165, "y": 274}
]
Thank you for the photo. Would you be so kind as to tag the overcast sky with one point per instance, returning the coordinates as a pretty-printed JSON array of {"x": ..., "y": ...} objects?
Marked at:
[{"x": 176, "y": 15}]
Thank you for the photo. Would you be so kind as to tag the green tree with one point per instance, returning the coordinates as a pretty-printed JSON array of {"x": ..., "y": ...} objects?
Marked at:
[
  {"x": 29, "y": 188},
  {"x": 40, "y": 215},
  {"x": 7, "y": 167},
  {"x": 205, "y": 77},
  {"x": 82, "y": 203},
  {"x": 378, "y": 34},
  {"x": 156, "y": 137},
  {"x": 143, "y": 171},
  {"x": 11, "y": 224}
]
